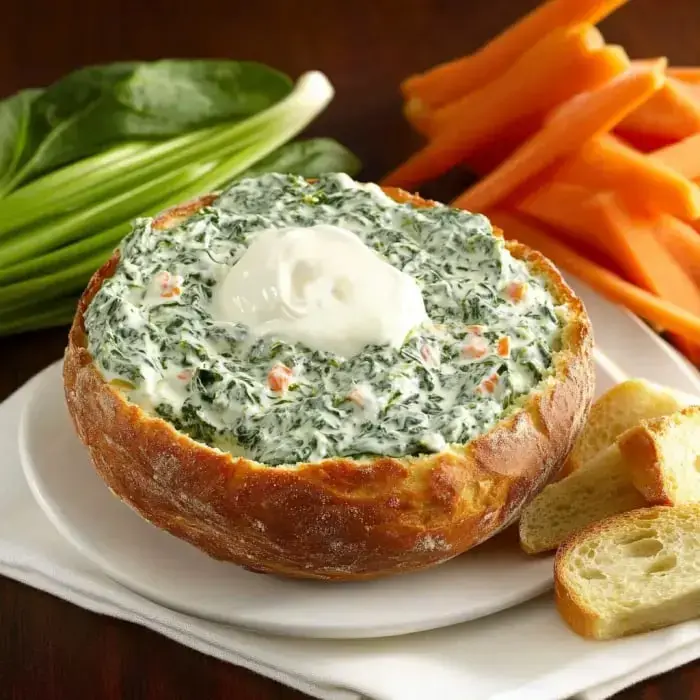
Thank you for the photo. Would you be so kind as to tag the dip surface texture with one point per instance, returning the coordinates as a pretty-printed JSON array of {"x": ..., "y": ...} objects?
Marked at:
[{"x": 491, "y": 332}]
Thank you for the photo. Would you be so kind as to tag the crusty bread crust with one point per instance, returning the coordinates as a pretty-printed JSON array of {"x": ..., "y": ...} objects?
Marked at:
[
  {"x": 338, "y": 518},
  {"x": 642, "y": 452},
  {"x": 643, "y": 449}
]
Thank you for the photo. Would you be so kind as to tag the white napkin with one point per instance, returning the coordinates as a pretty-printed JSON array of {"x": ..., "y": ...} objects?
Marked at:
[{"x": 521, "y": 654}]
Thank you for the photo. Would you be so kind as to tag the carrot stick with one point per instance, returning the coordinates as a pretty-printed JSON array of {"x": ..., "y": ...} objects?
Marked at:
[
  {"x": 581, "y": 118},
  {"x": 489, "y": 156},
  {"x": 690, "y": 349},
  {"x": 682, "y": 242},
  {"x": 507, "y": 102},
  {"x": 686, "y": 74},
  {"x": 671, "y": 114},
  {"x": 567, "y": 208},
  {"x": 535, "y": 83},
  {"x": 631, "y": 240},
  {"x": 607, "y": 163},
  {"x": 683, "y": 157},
  {"x": 451, "y": 80},
  {"x": 655, "y": 310},
  {"x": 418, "y": 116}
]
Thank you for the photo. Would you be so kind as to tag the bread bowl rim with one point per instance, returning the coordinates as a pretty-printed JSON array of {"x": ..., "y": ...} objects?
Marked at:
[{"x": 552, "y": 413}]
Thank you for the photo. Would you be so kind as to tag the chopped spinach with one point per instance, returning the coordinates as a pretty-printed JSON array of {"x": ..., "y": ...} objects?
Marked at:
[{"x": 446, "y": 384}]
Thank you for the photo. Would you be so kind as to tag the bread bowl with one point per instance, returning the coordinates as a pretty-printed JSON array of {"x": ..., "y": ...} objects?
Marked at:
[{"x": 342, "y": 516}]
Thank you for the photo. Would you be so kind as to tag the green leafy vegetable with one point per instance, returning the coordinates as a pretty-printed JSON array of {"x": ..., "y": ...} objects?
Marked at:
[
  {"x": 14, "y": 128},
  {"x": 38, "y": 315},
  {"x": 101, "y": 105},
  {"x": 309, "y": 158},
  {"x": 166, "y": 97},
  {"x": 230, "y": 120}
]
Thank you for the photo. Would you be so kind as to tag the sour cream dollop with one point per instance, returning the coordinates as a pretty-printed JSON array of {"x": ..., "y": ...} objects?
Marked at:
[{"x": 320, "y": 286}]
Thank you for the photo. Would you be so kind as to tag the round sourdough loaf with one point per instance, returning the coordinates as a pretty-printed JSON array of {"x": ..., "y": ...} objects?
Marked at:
[{"x": 338, "y": 518}]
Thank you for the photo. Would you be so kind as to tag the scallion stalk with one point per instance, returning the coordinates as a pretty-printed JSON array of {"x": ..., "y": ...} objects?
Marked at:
[
  {"x": 104, "y": 193},
  {"x": 311, "y": 94},
  {"x": 104, "y": 214},
  {"x": 41, "y": 315},
  {"x": 66, "y": 281}
]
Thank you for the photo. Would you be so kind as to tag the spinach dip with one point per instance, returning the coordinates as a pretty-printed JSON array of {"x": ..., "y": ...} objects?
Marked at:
[{"x": 491, "y": 329}]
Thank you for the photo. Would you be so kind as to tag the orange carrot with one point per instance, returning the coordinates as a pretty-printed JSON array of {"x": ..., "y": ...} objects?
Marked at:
[
  {"x": 475, "y": 348},
  {"x": 503, "y": 347},
  {"x": 632, "y": 242},
  {"x": 686, "y": 74},
  {"x": 671, "y": 114},
  {"x": 511, "y": 103},
  {"x": 567, "y": 208},
  {"x": 517, "y": 291},
  {"x": 581, "y": 118},
  {"x": 658, "y": 311},
  {"x": 279, "y": 378},
  {"x": 456, "y": 78},
  {"x": 687, "y": 347},
  {"x": 607, "y": 163},
  {"x": 491, "y": 155},
  {"x": 683, "y": 157},
  {"x": 682, "y": 242},
  {"x": 417, "y": 116},
  {"x": 551, "y": 71}
]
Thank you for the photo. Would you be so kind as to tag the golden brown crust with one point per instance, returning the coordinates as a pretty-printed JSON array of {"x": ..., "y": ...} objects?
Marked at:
[
  {"x": 643, "y": 450},
  {"x": 569, "y": 607},
  {"x": 640, "y": 451},
  {"x": 336, "y": 519}
]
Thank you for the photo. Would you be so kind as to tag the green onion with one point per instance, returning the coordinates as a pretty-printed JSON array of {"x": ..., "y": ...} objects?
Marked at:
[
  {"x": 58, "y": 259},
  {"x": 129, "y": 204},
  {"x": 58, "y": 229},
  {"x": 36, "y": 316},
  {"x": 312, "y": 94},
  {"x": 60, "y": 283}
]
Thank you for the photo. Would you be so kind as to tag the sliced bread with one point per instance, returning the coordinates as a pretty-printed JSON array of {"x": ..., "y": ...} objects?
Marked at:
[
  {"x": 631, "y": 573},
  {"x": 602, "y": 488},
  {"x": 664, "y": 457},
  {"x": 619, "y": 409}
]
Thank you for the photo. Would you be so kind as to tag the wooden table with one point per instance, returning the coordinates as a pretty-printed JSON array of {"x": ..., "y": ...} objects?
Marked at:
[{"x": 50, "y": 649}]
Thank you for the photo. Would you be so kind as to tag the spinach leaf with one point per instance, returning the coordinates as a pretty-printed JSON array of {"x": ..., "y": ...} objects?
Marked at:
[
  {"x": 167, "y": 97},
  {"x": 96, "y": 107},
  {"x": 14, "y": 128},
  {"x": 309, "y": 158}
]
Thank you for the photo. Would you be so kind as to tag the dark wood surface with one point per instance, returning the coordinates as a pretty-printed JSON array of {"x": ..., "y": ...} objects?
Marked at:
[{"x": 51, "y": 649}]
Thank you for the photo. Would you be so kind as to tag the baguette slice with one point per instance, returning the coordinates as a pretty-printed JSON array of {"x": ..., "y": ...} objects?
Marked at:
[
  {"x": 631, "y": 573},
  {"x": 601, "y": 489},
  {"x": 664, "y": 457},
  {"x": 619, "y": 409}
]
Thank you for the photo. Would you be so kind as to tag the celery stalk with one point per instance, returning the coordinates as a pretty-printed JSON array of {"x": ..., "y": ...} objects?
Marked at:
[
  {"x": 70, "y": 188},
  {"x": 47, "y": 185},
  {"x": 310, "y": 96}
]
